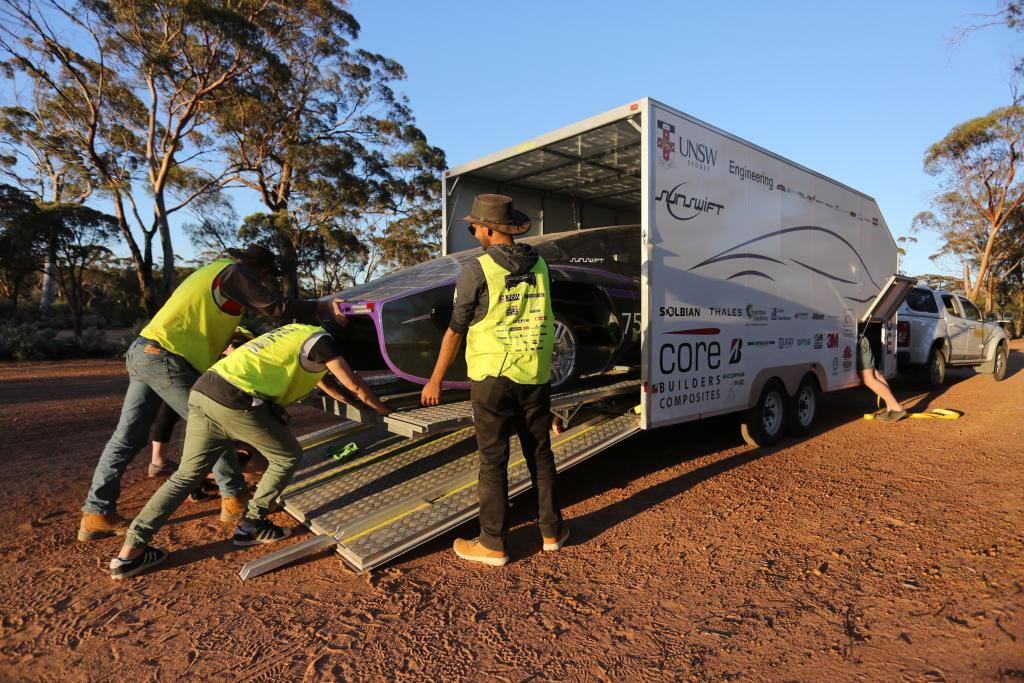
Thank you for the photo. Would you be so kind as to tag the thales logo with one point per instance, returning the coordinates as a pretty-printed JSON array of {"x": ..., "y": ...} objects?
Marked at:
[{"x": 685, "y": 207}]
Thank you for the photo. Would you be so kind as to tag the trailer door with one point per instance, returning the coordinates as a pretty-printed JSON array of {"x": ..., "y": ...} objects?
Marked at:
[{"x": 888, "y": 301}]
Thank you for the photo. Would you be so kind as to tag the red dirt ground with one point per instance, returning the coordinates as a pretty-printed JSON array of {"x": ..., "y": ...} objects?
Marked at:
[{"x": 866, "y": 552}]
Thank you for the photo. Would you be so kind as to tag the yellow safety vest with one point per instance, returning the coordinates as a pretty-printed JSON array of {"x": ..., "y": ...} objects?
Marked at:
[
  {"x": 273, "y": 366},
  {"x": 515, "y": 338},
  {"x": 196, "y": 322}
]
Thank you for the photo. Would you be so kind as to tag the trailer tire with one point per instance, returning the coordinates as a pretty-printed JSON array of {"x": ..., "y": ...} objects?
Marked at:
[
  {"x": 935, "y": 370},
  {"x": 803, "y": 409},
  {"x": 564, "y": 367},
  {"x": 764, "y": 424},
  {"x": 1000, "y": 360}
]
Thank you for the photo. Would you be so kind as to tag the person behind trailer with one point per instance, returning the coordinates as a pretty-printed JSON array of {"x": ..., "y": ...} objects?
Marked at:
[
  {"x": 503, "y": 309},
  {"x": 244, "y": 397},
  {"x": 875, "y": 380},
  {"x": 184, "y": 338}
]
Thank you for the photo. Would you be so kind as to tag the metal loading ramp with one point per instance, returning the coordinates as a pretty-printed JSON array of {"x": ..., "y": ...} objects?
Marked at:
[
  {"x": 447, "y": 416},
  {"x": 401, "y": 493},
  {"x": 399, "y": 490}
]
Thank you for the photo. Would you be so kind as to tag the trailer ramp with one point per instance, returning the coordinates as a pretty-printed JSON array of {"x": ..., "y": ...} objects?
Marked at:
[
  {"x": 414, "y": 476},
  {"x": 400, "y": 494}
]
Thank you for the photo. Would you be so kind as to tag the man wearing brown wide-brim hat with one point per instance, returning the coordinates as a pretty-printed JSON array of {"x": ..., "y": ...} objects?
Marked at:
[{"x": 503, "y": 310}]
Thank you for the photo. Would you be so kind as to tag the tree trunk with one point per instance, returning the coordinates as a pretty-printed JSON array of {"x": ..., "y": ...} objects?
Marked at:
[
  {"x": 143, "y": 259},
  {"x": 286, "y": 256},
  {"x": 163, "y": 227}
]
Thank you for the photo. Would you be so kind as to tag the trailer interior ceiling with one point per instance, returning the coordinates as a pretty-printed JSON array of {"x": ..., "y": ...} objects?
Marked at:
[{"x": 587, "y": 180}]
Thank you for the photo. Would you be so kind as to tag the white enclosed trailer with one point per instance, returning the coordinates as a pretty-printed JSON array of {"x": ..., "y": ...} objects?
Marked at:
[
  {"x": 756, "y": 276},
  {"x": 756, "y": 271}
]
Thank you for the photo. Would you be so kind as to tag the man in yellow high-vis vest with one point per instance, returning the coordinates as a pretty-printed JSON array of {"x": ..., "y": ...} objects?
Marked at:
[
  {"x": 503, "y": 310},
  {"x": 184, "y": 338},
  {"x": 243, "y": 397}
]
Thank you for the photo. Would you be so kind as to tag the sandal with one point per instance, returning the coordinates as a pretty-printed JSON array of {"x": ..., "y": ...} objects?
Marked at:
[{"x": 167, "y": 469}]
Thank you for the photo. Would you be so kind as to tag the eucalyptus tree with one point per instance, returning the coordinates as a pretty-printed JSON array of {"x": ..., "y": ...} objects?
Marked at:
[
  {"x": 133, "y": 84},
  {"x": 978, "y": 163},
  {"x": 332, "y": 151}
]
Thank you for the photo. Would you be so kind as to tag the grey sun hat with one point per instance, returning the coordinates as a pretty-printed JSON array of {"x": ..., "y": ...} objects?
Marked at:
[{"x": 495, "y": 211}]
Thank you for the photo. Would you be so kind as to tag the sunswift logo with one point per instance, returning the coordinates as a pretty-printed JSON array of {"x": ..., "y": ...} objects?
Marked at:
[{"x": 684, "y": 207}]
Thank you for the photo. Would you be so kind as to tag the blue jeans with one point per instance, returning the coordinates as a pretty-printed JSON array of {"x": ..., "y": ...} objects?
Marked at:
[{"x": 154, "y": 375}]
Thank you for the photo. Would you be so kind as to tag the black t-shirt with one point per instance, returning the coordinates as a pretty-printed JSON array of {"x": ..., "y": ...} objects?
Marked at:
[{"x": 214, "y": 386}]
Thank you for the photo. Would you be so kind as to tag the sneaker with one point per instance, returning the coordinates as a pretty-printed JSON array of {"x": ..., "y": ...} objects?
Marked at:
[
  {"x": 557, "y": 543},
  {"x": 233, "y": 507},
  {"x": 150, "y": 557},
  {"x": 101, "y": 526},
  {"x": 892, "y": 415},
  {"x": 474, "y": 551},
  {"x": 264, "y": 531}
]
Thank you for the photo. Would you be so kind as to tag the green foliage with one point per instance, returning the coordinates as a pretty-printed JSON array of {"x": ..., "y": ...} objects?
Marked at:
[
  {"x": 27, "y": 341},
  {"x": 978, "y": 163}
]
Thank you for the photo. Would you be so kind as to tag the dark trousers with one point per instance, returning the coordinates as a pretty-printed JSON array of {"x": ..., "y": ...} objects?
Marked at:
[{"x": 502, "y": 408}]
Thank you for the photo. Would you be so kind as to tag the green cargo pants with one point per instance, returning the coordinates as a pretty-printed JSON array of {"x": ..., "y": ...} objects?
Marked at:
[{"x": 211, "y": 432}]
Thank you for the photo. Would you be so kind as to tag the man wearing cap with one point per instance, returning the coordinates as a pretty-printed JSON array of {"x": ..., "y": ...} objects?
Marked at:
[
  {"x": 243, "y": 397},
  {"x": 503, "y": 310},
  {"x": 184, "y": 338}
]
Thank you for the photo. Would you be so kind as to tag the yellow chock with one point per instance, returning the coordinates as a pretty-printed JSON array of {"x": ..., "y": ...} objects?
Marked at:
[{"x": 939, "y": 414}]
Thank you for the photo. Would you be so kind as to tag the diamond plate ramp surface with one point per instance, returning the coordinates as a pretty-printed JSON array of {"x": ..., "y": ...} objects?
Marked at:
[
  {"x": 394, "y": 501},
  {"x": 447, "y": 416}
]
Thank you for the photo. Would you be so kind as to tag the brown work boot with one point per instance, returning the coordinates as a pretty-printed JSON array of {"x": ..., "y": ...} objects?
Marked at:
[
  {"x": 95, "y": 526},
  {"x": 556, "y": 543},
  {"x": 233, "y": 507},
  {"x": 474, "y": 551}
]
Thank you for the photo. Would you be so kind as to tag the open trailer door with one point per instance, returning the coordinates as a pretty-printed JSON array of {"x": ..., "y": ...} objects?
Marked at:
[{"x": 881, "y": 316}]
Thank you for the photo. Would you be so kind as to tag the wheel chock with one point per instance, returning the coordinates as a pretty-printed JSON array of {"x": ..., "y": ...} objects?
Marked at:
[
  {"x": 939, "y": 414},
  {"x": 933, "y": 414}
]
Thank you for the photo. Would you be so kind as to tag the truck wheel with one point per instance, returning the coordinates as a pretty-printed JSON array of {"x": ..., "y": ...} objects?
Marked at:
[
  {"x": 936, "y": 368},
  {"x": 999, "y": 371},
  {"x": 764, "y": 423},
  {"x": 563, "y": 355},
  {"x": 803, "y": 409}
]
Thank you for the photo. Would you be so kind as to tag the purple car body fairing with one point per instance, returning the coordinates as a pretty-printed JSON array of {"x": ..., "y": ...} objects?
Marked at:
[{"x": 397, "y": 321}]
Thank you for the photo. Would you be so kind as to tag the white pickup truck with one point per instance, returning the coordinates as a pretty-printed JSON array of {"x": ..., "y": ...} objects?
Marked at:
[{"x": 938, "y": 329}]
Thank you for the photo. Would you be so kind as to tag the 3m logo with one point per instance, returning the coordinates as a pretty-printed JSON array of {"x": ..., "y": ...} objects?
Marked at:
[
  {"x": 833, "y": 340},
  {"x": 735, "y": 351}
]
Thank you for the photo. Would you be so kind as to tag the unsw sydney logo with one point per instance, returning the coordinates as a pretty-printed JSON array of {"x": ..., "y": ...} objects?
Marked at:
[{"x": 699, "y": 155}]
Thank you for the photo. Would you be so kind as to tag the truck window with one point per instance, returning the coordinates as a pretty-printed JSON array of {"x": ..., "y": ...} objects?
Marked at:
[
  {"x": 971, "y": 311},
  {"x": 922, "y": 301},
  {"x": 947, "y": 301}
]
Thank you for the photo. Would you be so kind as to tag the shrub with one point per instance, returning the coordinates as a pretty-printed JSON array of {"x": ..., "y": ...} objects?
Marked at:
[{"x": 28, "y": 341}]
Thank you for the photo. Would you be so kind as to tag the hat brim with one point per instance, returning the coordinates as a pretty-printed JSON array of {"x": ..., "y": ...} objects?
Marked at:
[
  {"x": 241, "y": 255},
  {"x": 520, "y": 223}
]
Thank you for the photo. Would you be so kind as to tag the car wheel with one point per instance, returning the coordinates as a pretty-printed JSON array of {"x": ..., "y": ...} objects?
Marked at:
[
  {"x": 999, "y": 369},
  {"x": 936, "y": 368},
  {"x": 563, "y": 353},
  {"x": 803, "y": 409},
  {"x": 764, "y": 424}
]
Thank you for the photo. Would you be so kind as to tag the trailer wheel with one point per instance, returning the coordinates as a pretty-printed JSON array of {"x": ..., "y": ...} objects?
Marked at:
[
  {"x": 935, "y": 371},
  {"x": 803, "y": 410},
  {"x": 999, "y": 370},
  {"x": 764, "y": 424},
  {"x": 563, "y": 355}
]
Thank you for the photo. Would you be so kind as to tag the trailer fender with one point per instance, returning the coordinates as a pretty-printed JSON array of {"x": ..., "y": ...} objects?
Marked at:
[{"x": 789, "y": 375}]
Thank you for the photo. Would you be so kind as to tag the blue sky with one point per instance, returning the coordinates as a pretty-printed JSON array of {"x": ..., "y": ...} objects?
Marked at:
[{"x": 856, "y": 91}]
